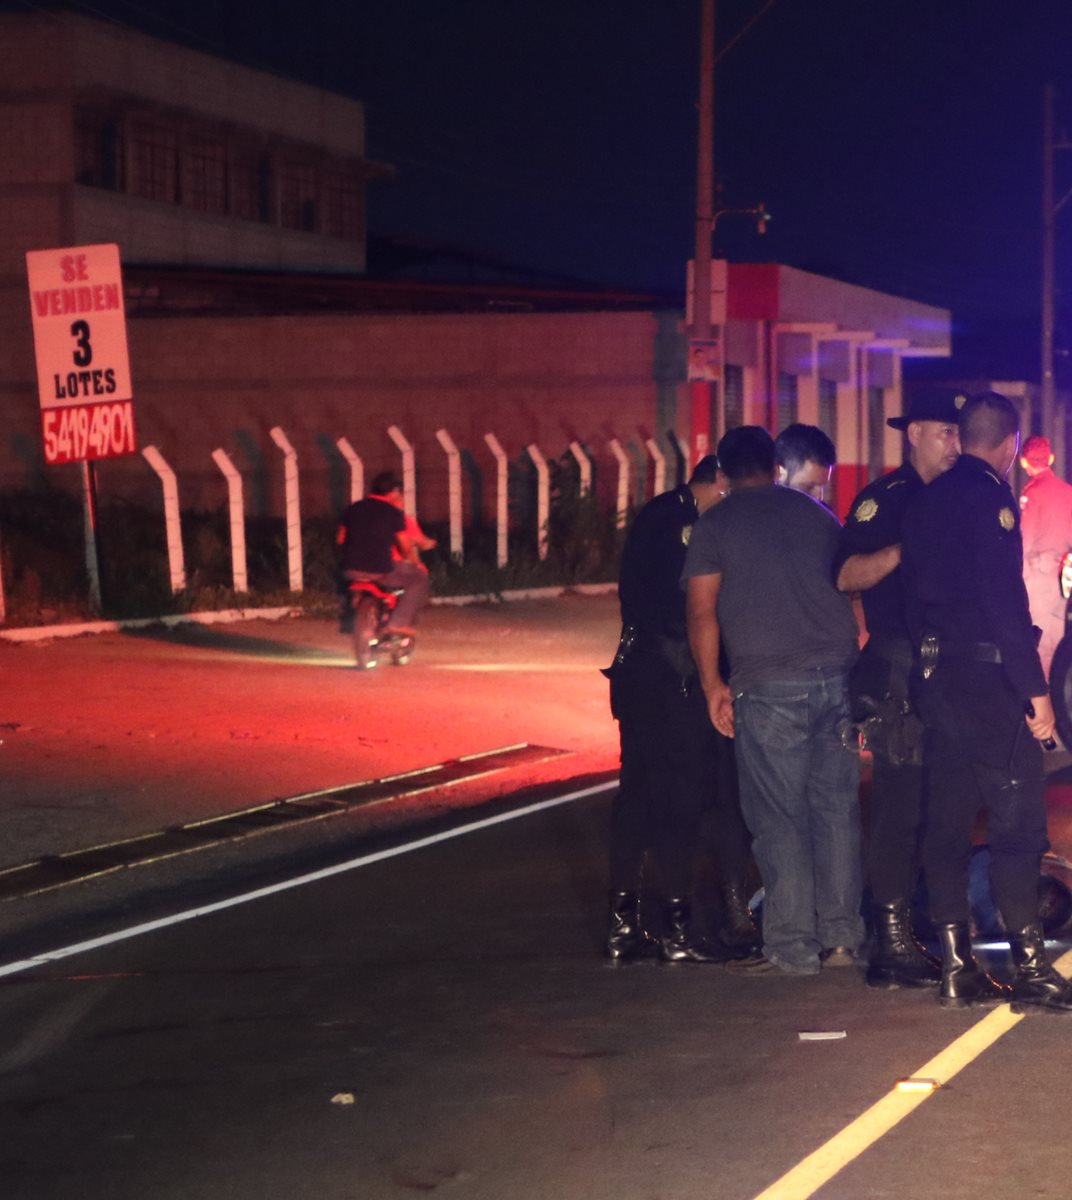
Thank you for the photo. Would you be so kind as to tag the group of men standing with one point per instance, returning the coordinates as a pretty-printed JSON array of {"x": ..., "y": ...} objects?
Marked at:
[{"x": 740, "y": 638}]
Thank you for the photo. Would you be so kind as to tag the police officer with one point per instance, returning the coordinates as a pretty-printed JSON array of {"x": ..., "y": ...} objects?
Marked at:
[
  {"x": 674, "y": 764},
  {"x": 982, "y": 696},
  {"x": 867, "y": 561}
]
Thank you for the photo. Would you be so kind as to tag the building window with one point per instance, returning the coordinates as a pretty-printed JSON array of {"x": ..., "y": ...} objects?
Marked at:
[
  {"x": 98, "y": 150},
  {"x": 828, "y": 408},
  {"x": 787, "y": 400},
  {"x": 245, "y": 187},
  {"x": 297, "y": 196},
  {"x": 876, "y": 432},
  {"x": 205, "y": 174},
  {"x": 734, "y": 378},
  {"x": 342, "y": 207},
  {"x": 207, "y": 171},
  {"x": 154, "y": 152}
]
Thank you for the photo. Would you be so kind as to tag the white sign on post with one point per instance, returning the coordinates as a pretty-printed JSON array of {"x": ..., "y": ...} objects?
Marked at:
[{"x": 80, "y": 342}]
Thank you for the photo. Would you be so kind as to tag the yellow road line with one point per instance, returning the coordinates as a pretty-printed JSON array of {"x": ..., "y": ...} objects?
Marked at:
[{"x": 819, "y": 1167}]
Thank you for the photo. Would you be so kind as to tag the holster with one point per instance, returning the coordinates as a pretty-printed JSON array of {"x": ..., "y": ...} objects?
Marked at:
[
  {"x": 883, "y": 717},
  {"x": 626, "y": 642},
  {"x": 647, "y": 660}
]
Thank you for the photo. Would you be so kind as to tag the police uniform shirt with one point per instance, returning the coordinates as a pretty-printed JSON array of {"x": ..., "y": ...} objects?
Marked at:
[
  {"x": 649, "y": 588},
  {"x": 873, "y": 523},
  {"x": 961, "y": 555}
]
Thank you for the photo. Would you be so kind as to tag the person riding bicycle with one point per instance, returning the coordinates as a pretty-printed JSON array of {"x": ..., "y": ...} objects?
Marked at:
[{"x": 368, "y": 531}]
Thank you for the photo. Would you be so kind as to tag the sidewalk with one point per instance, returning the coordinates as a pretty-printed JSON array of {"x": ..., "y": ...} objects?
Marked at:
[{"x": 126, "y": 733}]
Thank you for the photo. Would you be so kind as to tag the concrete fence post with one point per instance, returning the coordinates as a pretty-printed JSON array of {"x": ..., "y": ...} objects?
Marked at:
[
  {"x": 290, "y": 477},
  {"x": 409, "y": 475},
  {"x": 172, "y": 517},
  {"x": 237, "y": 510},
  {"x": 357, "y": 469},
  {"x": 659, "y": 459},
  {"x": 454, "y": 473},
  {"x": 585, "y": 465},
  {"x": 543, "y": 498},
  {"x": 623, "y": 482},
  {"x": 502, "y": 499}
]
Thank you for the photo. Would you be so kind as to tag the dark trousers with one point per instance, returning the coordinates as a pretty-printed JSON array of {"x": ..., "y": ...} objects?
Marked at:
[
  {"x": 677, "y": 772},
  {"x": 1016, "y": 820},
  {"x": 894, "y": 830},
  {"x": 979, "y": 754},
  {"x": 895, "y": 813}
]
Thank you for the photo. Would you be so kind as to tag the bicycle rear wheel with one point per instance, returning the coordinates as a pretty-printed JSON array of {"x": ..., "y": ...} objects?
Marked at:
[{"x": 366, "y": 630}]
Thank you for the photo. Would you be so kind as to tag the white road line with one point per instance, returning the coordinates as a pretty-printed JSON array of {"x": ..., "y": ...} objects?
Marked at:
[
  {"x": 822, "y": 1165},
  {"x": 353, "y": 864}
]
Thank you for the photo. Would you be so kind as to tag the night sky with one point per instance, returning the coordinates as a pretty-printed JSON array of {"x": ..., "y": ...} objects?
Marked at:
[{"x": 897, "y": 143}]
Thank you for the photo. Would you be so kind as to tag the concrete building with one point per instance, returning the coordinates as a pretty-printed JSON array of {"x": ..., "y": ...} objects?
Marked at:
[{"x": 237, "y": 200}]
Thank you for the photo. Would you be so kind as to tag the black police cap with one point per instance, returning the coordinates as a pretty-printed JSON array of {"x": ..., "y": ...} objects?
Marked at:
[{"x": 931, "y": 404}]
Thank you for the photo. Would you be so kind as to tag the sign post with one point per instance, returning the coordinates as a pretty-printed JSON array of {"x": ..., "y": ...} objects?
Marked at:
[{"x": 83, "y": 368}]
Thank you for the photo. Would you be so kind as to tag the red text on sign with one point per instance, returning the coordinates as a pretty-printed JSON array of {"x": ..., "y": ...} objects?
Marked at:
[{"x": 58, "y": 302}]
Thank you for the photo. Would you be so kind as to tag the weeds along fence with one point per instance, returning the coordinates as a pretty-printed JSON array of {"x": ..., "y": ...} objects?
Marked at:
[{"x": 162, "y": 559}]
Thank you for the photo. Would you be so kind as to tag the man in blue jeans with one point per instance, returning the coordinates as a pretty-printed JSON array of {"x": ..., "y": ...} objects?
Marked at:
[{"x": 759, "y": 579}]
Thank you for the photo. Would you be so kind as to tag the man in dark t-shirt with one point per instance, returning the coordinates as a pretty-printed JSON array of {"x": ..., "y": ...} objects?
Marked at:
[
  {"x": 759, "y": 577},
  {"x": 368, "y": 531}
]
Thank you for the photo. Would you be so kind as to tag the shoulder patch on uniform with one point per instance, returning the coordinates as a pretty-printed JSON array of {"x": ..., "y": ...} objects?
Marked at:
[
  {"x": 959, "y": 400},
  {"x": 1008, "y": 519},
  {"x": 686, "y": 533},
  {"x": 865, "y": 510}
]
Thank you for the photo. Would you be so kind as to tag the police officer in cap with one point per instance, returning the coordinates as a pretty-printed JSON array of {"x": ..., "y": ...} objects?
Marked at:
[
  {"x": 676, "y": 769},
  {"x": 982, "y": 696},
  {"x": 868, "y": 561}
]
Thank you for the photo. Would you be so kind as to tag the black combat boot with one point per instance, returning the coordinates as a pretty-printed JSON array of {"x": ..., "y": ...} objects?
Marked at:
[
  {"x": 897, "y": 959},
  {"x": 964, "y": 982},
  {"x": 625, "y": 937},
  {"x": 676, "y": 945},
  {"x": 738, "y": 928},
  {"x": 1036, "y": 982}
]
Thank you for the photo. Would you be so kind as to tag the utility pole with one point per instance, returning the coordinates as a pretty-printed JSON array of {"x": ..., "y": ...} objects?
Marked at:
[
  {"x": 700, "y": 330},
  {"x": 1050, "y": 209},
  {"x": 1049, "y": 213}
]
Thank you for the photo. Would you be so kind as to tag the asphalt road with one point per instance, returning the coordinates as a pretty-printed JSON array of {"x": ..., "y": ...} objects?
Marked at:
[
  {"x": 123, "y": 734},
  {"x": 440, "y": 1021},
  {"x": 435, "y": 1019}
]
